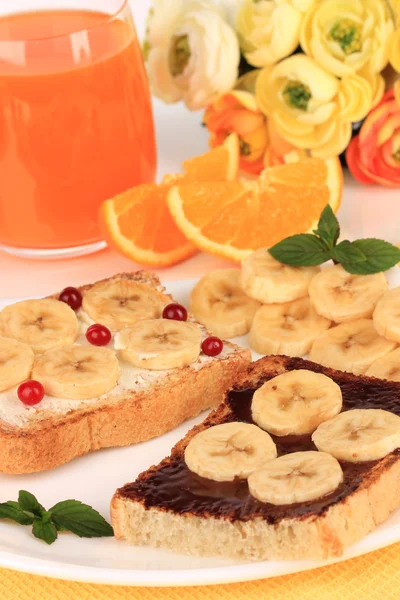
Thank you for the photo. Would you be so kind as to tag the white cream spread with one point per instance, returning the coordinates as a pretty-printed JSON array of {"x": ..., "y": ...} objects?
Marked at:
[{"x": 133, "y": 379}]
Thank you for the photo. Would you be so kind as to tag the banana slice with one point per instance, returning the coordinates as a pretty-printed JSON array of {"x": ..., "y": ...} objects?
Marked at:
[
  {"x": 160, "y": 344},
  {"x": 296, "y": 402},
  {"x": 77, "y": 372},
  {"x": 269, "y": 281},
  {"x": 342, "y": 297},
  {"x": 296, "y": 477},
  {"x": 121, "y": 303},
  {"x": 42, "y": 324},
  {"x": 227, "y": 451},
  {"x": 387, "y": 315},
  {"x": 350, "y": 347},
  {"x": 359, "y": 435},
  {"x": 288, "y": 328},
  {"x": 219, "y": 302},
  {"x": 387, "y": 367},
  {"x": 16, "y": 360}
]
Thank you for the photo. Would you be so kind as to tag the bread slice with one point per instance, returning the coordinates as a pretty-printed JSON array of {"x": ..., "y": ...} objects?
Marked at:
[
  {"x": 57, "y": 431},
  {"x": 171, "y": 507}
]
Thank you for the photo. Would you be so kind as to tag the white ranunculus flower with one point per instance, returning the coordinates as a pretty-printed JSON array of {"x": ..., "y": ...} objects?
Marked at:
[
  {"x": 231, "y": 8},
  {"x": 192, "y": 53}
]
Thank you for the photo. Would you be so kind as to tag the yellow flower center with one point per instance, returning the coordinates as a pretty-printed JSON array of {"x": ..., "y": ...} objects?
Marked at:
[
  {"x": 146, "y": 47},
  {"x": 244, "y": 147},
  {"x": 396, "y": 155},
  {"x": 297, "y": 94},
  {"x": 179, "y": 54},
  {"x": 347, "y": 34}
]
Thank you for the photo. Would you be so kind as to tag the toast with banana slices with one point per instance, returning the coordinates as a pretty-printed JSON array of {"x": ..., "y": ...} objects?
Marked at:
[
  {"x": 299, "y": 461},
  {"x": 99, "y": 392}
]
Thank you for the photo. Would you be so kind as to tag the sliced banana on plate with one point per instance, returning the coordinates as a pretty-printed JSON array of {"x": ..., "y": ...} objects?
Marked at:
[
  {"x": 296, "y": 477},
  {"x": 159, "y": 344},
  {"x": 119, "y": 303},
  {"x": 359, "y": 435},
  {"x": 77, "y": 372},
  {"x": 269, "y": 281},
  {"x": 42, "y": 324},
  {"x": 288, "y": 328},
  {"x": 219, "y": 302},
  {"x": 387, "y": 367},
  {"x": 342, "y": 297},
  {"x": 295, "y": 402},
  {"x": 229, "y": 451},
  {"x": 16, "y": 360},
  {"x": 350, "y": 347},
  {"x": 387, "y": 315}
]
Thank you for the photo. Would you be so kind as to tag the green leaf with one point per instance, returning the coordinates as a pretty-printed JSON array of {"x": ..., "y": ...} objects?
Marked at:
[
  {"x": 347, "y": 252},
  {"x": 12, "y": 510},
  {"x": 28, "y": 502},
  {"x": 328, "y": 227},
  {"x": 80, "y": 519},
  {"x": 45, "y": 530},
  {"x": 380, "y": 256},
  {"x": 303, "y": 250}
]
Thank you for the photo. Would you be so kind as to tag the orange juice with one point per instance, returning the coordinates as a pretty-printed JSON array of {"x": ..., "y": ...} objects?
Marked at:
[{"x": 75, "y": 124}]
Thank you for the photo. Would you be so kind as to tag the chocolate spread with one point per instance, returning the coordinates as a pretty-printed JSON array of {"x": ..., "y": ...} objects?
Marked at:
[{"x": 174, "y": 487}]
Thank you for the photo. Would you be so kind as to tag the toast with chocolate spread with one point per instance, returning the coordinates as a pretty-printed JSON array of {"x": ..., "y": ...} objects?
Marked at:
[{"x": 170, "y": 506}]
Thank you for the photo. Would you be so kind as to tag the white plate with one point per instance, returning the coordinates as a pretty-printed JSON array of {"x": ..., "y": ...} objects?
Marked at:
[{"x": 93, "y": 479}]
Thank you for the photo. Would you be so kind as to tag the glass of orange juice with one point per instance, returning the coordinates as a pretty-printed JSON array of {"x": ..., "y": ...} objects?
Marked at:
[{"x": 76, "y": 123}]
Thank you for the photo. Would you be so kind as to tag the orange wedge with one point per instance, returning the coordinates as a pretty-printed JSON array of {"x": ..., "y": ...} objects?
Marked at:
[
  {"x": 233, "y": 218},
  {"x": 138, "y": 224},
  {"x": 219, "y": 164}
]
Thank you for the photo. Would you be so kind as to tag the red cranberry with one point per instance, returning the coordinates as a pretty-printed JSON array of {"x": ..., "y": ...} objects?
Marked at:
[
  {"x": 175, "y": 311},
  {"x": 31, "y": 392},
  {"x": 98, "y": 335},
  {"x": 72, "y": 297},
  {"x": 212, "y": 346}
]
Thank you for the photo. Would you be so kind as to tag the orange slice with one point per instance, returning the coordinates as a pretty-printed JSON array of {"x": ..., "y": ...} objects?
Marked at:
[
  {"x": 138, "y": 224},
  {"x": 233, "y": 218},
  {"x": 219, "y": 164}
]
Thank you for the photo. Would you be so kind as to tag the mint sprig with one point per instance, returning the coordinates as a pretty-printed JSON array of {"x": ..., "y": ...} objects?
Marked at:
[
  {"x": 361, "y": 257},
  {"x": 69, "y": 515}
]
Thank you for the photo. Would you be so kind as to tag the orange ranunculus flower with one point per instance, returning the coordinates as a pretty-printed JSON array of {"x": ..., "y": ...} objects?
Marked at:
[
  {"x": 238, "y": 112},
  {"x": 373, "y": 156}
]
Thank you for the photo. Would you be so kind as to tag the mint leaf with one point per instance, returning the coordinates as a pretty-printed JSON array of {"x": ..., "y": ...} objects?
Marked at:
[
  {"x": 328, "y": 227},
  {"x": 379, "y": 256},
  {"x": 347, "y": 252},
  {"x": 45, "y": 530},
  {"x": 70, "y": 515},
  {"x": 302, "y": 250},
  {"x": 28, "y": 503},
  {"x": 80, "y": 519},
  {"x": 12, "y": 510}
]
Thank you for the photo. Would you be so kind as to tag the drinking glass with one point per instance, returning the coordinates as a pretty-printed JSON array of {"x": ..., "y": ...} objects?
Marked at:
[{"x": 76, "y": 123}]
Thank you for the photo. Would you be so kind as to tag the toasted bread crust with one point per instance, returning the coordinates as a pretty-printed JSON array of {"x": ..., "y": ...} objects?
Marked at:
[
  {"x": 136, "y": 417},
  {"x": 316, "y": 536}
]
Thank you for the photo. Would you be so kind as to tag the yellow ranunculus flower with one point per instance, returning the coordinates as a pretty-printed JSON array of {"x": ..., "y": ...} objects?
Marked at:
[
  {"x": 396, "y": 8},
  {"x": 311, "y": 108},
  {"x": 269, "y": 29},
  {"x": 376, "y": 82},
  {"x": 345, "y": 36},
  {"x": 395, "y": 51}
]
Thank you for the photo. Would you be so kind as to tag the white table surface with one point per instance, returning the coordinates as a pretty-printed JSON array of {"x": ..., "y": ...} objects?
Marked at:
[{"x": 366, "y": 211}]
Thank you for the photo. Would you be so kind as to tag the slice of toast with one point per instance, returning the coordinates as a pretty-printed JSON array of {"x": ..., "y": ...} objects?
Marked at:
[
  {"x": 57, "y": 431},
  {"x": 169, "y": 506}
]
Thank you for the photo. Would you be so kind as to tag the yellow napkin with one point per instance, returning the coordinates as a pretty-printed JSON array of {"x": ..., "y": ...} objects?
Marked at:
[{"x": 374, "y": 576}]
